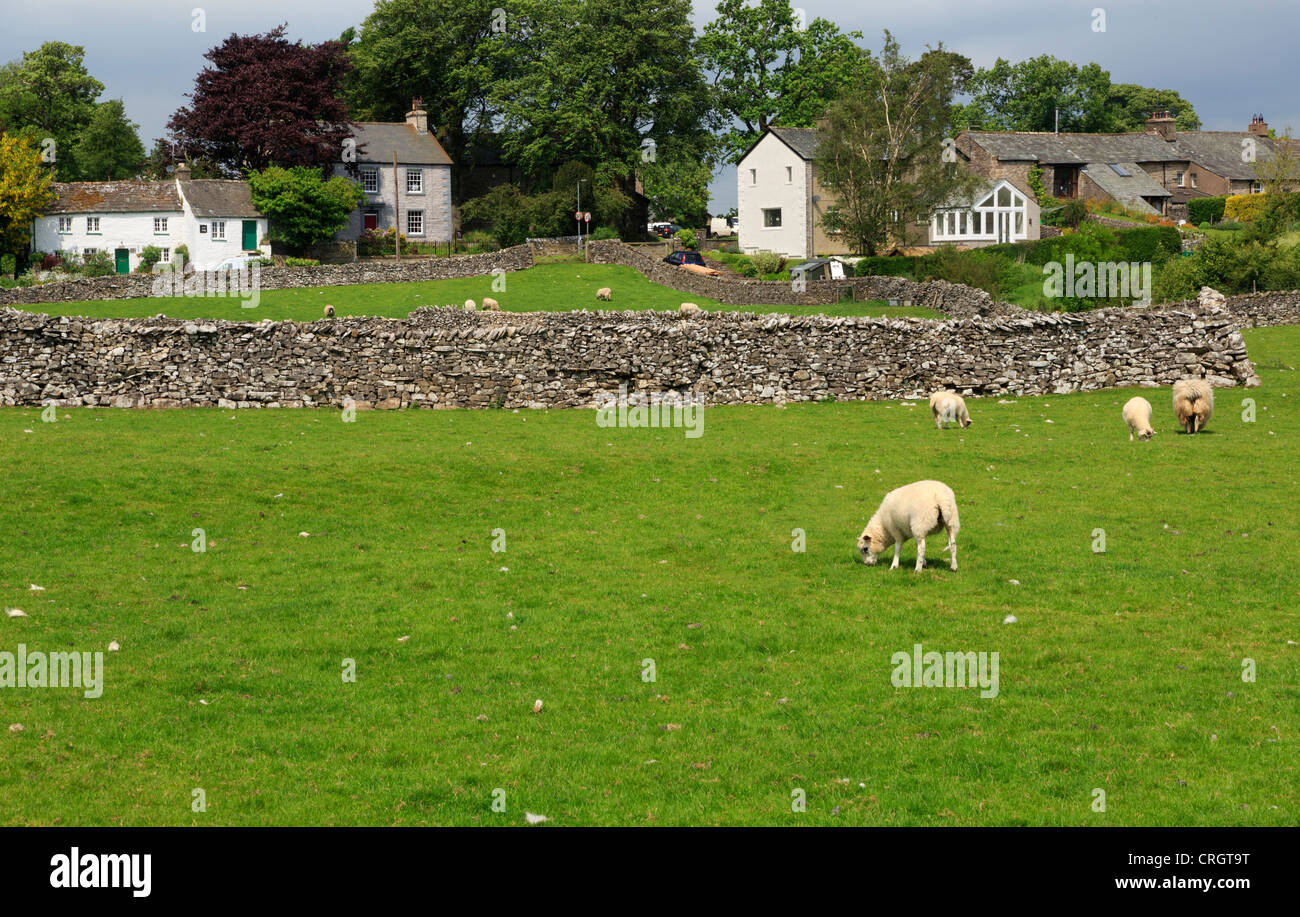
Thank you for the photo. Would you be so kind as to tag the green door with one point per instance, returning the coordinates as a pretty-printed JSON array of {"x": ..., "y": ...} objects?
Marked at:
[
  {"x": 123, "y": 258},
  {"x": 250, "y": 235}
]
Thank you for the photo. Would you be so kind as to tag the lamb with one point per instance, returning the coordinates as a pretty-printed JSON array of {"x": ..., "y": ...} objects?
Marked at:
[
  {"x": 491, "y": 304},
  {"x": 604, "y": 293},
  {"x": 913, "y": 511},
  {"x": 1193, "y": 404},
  {"x": 688, "y": 307},
  {"x": 329, "y": 311},
  {"x": 947, "y": 407},
  {"x": 1137, "y": 414},
  {"x": 469, "y": 305}
]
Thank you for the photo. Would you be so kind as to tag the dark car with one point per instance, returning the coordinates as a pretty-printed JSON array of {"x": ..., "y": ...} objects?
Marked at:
[
  {"x": 667, "y": 232},
  {"x": 685, "y": 257}
]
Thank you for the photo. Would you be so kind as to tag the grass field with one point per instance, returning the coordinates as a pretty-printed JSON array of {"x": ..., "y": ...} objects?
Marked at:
[
  {"x": 1123, "y": 671},
  {"x": 547, "y": 287}
]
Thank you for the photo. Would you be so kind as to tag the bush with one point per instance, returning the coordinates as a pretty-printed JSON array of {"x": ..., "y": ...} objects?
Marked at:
[
  {"x": 149, "y": 256},
  {"x": 1229, "y": 226},
  {"x": 301, "y": 262},
  {"x": 181, "y": 254},
  {"x": 1202, "y": 210},
  {"x": 609, "y": 232},
  {"x": 99, "y": 265},
  {"x": 8, "y": 264},
  {"x": 1072, "y": 213},
  {"x": 1155, "y": 243},
  {"x": 766, "y": 262},
  {"x": 883, "y": 266},
  {"x": 688, "y": 240},
  {"x": 51, "y": 261},
  {"x": 1245, "y": 208}
]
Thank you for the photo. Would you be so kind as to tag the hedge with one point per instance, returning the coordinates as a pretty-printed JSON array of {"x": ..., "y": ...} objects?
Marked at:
[
  {"x": 1245, "y": 208},
  {"x": 1205, "y": 209}
]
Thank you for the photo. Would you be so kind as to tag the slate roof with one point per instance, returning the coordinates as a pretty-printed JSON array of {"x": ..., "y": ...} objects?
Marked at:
[
  {"x": 116, "y": 197},
  {"x": 803, "y": 140},
  {"x": 378, "y": 140},
  {"x": 1218, "y": 151},
  {"x": 219, "y": 197},
  {"x": 1128, "y": 190}
]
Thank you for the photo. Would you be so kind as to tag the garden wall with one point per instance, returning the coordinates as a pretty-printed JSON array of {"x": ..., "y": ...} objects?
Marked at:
[
  {"x": 444, "y": 357},
  {"x": 132, "y": 286}
]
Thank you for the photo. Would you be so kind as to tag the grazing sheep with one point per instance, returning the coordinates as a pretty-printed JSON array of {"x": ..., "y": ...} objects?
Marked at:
[
  {"x": 948, "y": 407},
  {"x": 469, "y": 305},
  {"x": 329, "y": 311},
  {"x": 913, "y": 511},
  {"x": 1193, "y": 404},
  {"x": 1137, "y": 414},
  {"x": 491, "y": 304},
  {"x": 604, "y": 293},
  {"x": 689, "y": 307}
]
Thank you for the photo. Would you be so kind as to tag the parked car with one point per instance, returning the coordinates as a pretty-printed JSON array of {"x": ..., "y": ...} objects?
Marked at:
[
  {"x": 668, "y": 231},
  {"x": 690, "y": 260},
  {"x": 238, "y": 263}
]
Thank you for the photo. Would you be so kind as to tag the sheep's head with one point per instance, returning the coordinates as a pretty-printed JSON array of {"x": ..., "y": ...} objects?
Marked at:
[
  {"x": 1147, "y": 433},
  {"x": 965, "y": 422},
  {"x": 870, "y": 544}
]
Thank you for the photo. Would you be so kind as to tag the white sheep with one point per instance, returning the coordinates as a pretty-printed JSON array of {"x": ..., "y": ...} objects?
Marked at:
[
  {"x": 1193, "y": 404},
  {"x": 491, "y": 304},
  {"x": 329, "y": 311},
  {"x": 1137, "y": 414},
  {"x": 688, "y": 307},
  {"x": 912, "y": 511},
  {"x": 469, "y": 305},
  {"x": 604, "y": 293},
  {"x": 949, "y": 407}
]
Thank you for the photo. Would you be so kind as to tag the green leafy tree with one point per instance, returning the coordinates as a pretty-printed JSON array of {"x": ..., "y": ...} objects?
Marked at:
[
  {"x": 507, "y": 210},
  {"x": 108, "y": 147},
  {"x": 50, "y": 93},
  {"x": 677, "y": 184},
  {"x": 25, "y": 191},
  {"x": 1131, "y": 105},
  {"x": 304, "y": 209},
  {"x": 882, "y": 151},
  {"x": 1029, "y": 95},
  {"x": 769, "y": 69}
]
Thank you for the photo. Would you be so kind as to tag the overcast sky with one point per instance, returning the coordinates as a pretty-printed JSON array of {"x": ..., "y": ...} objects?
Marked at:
[{"x": 1229, "y": 60}]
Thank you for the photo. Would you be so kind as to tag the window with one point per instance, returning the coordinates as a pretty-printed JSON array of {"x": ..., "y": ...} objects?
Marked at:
[
  {"x": 1257, "y": 188},
  {"x": 166, "y": 256},
  {"x": 952, "y": 224},
  {"x": 1181, "y": 178},
  {"x": 789, "y": 174},
  {"x": 961, "y": 228},
  {"x": 414, "y": 181},
  {"x": 938, "y": 226},
  {"x": 219, "y": 231},
  {"x": 90, "y": 251},
  {"x": 772, "y": 217},
  {"x": 753, "y": 176},
  {"x": 1020, "y": 223},
  {"x": 370, "y": 180},
  {"x": 415, "y": 222},
  {"x": 1119, "y": 170},
  {"x": 1004, "y": 197},
  {"x": 65, "y": 224},
  {"x": 1193, "y": 179},
  {"x": 92, "y": 224},
  {"x": 160, "y": 225}
]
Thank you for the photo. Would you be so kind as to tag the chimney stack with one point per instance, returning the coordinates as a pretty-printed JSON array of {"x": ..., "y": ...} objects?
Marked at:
[
  {"x": 417, "y": 117},
  {"x": 182, "y": 171},
  {"x": 1163, "y": 124},
  {"x": 1258, "y": 126}
]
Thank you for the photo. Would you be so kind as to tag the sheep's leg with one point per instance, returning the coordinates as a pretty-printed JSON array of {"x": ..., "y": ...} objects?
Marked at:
[
  {"x": 952, "y": 548},
  {"x": 898, "y": 549},
  {"x": 920, "y": 554},
  {"x": 1130, "y": 434}
]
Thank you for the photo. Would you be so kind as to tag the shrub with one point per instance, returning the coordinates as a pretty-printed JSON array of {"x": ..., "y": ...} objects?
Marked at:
[
  {"x": 51, "y": 261},
  {"x": 687, "y": 238},
  {"x": 1154, "y": 243},
  {"x": 1202, "y": 210},
  {"x": 1229, "y": 226},
  {"x": 149, "y": 256},
  {"x": 181, "y": 254},
  {"x": 883, "y": 266},
  {"x": 767, "y": 262},
  {"x": 975, "y": 268},
  {"x": 1204, "y": 225},
  {"x": 99, "y": 265},
  {"x": 8, "y": 263},
  {"x": 301, "y": 262},
  {"x": 1072, "y": 213},
  {"x": 1245, "y": 208},
  {"x": 609, "y": 232}
]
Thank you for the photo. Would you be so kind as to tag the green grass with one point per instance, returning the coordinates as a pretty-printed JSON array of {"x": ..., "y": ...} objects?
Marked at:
[
  {"x": 1123, "y": 671},
  {"x": 547, "y": 287}
]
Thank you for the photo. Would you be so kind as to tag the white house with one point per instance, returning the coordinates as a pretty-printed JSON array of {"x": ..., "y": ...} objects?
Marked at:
[
  {"x": 214, "y": 219},
  {"x": 406, "y": 175}
]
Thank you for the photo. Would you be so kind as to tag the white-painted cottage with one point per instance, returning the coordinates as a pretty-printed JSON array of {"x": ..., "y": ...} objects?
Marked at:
[
  {"x": 215, "y": 220},
  {"x": 413, "y": 194}
]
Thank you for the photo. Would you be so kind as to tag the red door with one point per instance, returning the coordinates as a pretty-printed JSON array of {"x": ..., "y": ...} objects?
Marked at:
[{"x": 371, "y": 219}]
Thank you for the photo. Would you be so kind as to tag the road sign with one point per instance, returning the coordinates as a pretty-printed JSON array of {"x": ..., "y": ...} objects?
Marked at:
[{"x": 587, "y": 217}]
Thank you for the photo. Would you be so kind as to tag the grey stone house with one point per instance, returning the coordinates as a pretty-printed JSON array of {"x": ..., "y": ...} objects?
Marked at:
[{"x": 414, "y": 194}]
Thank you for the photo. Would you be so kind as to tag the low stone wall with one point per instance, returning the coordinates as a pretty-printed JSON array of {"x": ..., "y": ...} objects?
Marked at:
[
  {"x": 450, "y": 358},
  {"x": 132, "y": 286},
  {"x": 1255, "y": 310}
]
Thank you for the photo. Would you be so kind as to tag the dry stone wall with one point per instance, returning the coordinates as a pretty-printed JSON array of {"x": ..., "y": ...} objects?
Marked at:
[{"x": 444, "y": 357}]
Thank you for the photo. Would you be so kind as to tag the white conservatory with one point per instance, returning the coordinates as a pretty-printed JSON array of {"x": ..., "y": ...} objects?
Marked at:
[{"x": 1001, "y": 213}]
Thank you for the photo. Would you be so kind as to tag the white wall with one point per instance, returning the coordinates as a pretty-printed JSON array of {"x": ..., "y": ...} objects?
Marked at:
[
  {"x": 435, "y": 202},
  {"x": 205, "y": 252},
  {"x": 770, "y": 158},
  {"x": 132, "y": 231}
]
